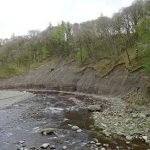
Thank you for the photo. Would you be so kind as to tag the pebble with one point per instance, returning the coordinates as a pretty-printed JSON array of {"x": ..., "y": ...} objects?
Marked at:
[
  {"x": 45, "y": 145},
  {"x": 98, "y": 144},
  {"x": 106, "y": 133},
  {"x": 66, "y": 119},
  {"x": 48, "y": 131},
  {"x": 103, "y": 148},
  {"x": 33, "y": 148},
  {"x": 69, "y": 125},
  {"x": 64, "y": 147},
  {"x": 79, "y": 131},
  {"x": 92, "y": 142},
  {"x": 145, "y": 138},
  {"x": 75, "y": 128},
  {"x": 23, "y": 145},
  {"x": 106, "y": 145},
  {"x": 128, "y": 137},
  {"x": 142, "y": 116},
  {"x": 52, "y": 147},
  {"x": 134, "y": 115},
  {"x": 93, "y": 108},
  {"x": 21, "y": 142},
  {"x": 95, "y": 140}
]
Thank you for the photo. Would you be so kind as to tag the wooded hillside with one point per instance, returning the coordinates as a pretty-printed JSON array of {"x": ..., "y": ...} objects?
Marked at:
[{"x": 124, "y": 38}]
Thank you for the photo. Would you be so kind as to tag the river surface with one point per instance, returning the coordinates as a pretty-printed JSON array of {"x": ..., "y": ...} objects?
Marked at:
[{"x": 24, "y": 120}]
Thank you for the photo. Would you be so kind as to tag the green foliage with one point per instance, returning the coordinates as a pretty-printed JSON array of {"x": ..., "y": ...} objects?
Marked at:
[
  {"x": 44, "y": 52},
  {"x": 58, "y": 38},
  {"x": 144, "y": 30},
  {"x": 144, "y": 37},
  {"x": 147, "y": 67},
  {"x": 82, "y": 55},
  {"x": 6, "y": 71}
]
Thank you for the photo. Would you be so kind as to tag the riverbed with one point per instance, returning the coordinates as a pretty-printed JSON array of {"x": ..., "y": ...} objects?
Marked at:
[{"x": 22, "y": 120}]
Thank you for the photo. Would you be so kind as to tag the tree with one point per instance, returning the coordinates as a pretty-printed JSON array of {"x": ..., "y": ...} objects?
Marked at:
[{"x": 144, "y": 35}]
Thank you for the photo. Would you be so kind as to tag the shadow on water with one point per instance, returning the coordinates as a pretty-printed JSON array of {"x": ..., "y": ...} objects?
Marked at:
[{"x": 81, "y": 118}]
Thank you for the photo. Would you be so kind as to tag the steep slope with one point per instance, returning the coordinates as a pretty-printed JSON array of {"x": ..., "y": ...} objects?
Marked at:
[{"x": 63, "y": 75}]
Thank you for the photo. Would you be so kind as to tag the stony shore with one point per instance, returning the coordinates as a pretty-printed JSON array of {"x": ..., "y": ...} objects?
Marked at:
[{"x": 123, "y": 121}]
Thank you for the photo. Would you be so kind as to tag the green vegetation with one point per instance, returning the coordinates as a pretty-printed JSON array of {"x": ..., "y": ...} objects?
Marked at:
[
  {"x": 102, "y": 44},
  {"x": 144, "y": 36}
]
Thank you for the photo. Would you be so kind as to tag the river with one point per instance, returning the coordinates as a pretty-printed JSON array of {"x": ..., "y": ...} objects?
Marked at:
[{"x": 24, "y": 120}]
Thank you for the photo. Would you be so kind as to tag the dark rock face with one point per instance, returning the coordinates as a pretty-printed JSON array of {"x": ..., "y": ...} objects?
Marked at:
[{"x": 65, "y": 77}]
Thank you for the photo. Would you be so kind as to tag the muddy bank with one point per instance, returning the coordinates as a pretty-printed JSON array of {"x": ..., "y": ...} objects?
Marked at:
[{"x": 64, "y": 75}]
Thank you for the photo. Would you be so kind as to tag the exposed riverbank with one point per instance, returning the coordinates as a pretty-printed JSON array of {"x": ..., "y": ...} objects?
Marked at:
[{"x": 68, "y": 76}]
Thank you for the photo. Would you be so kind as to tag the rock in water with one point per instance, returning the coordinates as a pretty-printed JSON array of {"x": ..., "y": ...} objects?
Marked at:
[
  {"x": 33, "y": 148},
  {"x": 21, "y": 142},
  {"x": 92, "y": 142},
  {"x": 95, "y": 140},
  {"x": 45, "y": 145},
  {"x": 48, "y": 131},
  {"x": 98, "y": 144},
  {"x": 64, "y": 147},
  {"x": 52, "y": 147},
  {"x": 79, "y": 130},
  {"x": 75, "y": 128}
]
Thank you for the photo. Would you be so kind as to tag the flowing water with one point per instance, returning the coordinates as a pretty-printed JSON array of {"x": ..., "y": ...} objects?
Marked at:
[{"x": 25, "y": 120}]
